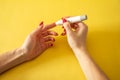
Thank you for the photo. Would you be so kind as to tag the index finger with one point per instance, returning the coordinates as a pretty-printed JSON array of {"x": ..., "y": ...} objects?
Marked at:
[{"x": 49, "y": 26}]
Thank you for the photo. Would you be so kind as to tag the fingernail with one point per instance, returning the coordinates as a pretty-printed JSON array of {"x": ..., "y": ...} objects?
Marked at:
[
  {"x": 41, "y": 23},
  {"x": 52, "y": 39},
  {"x": 56, "y": 34},
  {"x": 51, "y": 44},
  {"x": 65, "y": 30},
  {"x": 62, "y": 34},
  {"x": 64, "y": 20}
]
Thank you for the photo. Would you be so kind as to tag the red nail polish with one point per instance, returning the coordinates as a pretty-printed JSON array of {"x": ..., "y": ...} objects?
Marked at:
[
  {"x": 41, "y": 23},
  {"x": 51, "y": 44},
  {"x": 64, "y": 30},
  {"x": 62, "y": 34},
  {"x": 64, "y": 20},
  {"x": 53, "y": 39}
]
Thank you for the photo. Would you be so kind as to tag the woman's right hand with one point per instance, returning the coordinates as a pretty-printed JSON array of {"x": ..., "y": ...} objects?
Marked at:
[{"x": 76, "y": 34}]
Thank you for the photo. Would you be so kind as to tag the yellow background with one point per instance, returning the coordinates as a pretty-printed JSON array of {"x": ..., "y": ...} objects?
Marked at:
[{"x": 19, "y": 17}]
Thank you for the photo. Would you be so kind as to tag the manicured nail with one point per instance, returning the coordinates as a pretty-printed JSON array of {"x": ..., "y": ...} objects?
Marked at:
[
  {"x": 64, "y": 31},
  {"x": 62, "y": 34},
  {"x": 51, "y": 44},
  {"x": 56, "y": 34},
  {"x": 64, "y": 20},
  {"x": 41, "y": 23}
]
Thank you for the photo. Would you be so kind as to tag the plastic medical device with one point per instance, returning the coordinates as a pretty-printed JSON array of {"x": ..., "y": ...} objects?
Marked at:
[{"x": 72, "y": 19}]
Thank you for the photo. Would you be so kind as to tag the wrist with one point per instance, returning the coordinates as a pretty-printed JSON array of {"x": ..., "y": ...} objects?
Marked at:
[
  {"x": 79, "y": 47},
  {"x": 79, "y": 50},
  {"x": 22, "y": 53}
]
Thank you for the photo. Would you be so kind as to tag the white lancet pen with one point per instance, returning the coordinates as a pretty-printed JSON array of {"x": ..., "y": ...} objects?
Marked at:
[{"x": 73, "y": 19}]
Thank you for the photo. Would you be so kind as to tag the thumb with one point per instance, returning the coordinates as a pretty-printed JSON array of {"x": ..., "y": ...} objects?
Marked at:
[{"x": 67, "y": 27}]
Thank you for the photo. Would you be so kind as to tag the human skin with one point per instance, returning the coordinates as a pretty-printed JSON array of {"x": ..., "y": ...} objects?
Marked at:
[
  {"x": 77, "y": 41},
  {"x": 36, "y": 43}
]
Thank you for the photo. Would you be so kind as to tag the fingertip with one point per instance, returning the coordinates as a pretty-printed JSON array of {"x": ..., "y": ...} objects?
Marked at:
[
  {"x": 41, "y": 23},
  {"x": 64, "y": 20},
  {"x": 48, "y": 45},
  {"x": 53, "y": 39},
  {"x": 51, "y": 44},
  {"x": 38, "y": 29},
  {"x": 67, "y": 25},
  {"x": 62, "y": 34},
  {"x": 55, "y": 34}
]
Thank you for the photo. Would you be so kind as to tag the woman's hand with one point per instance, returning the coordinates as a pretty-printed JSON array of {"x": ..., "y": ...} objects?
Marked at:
[
  {"x": 76, "y": 34},
  {"x": 38, "y": 41}
]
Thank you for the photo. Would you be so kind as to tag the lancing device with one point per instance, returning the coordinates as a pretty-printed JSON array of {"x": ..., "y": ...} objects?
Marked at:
[{"x": 73, "y": 19}]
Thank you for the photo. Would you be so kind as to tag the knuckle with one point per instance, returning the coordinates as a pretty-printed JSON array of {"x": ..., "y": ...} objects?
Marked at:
[{"x": 66, "y": 24}]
